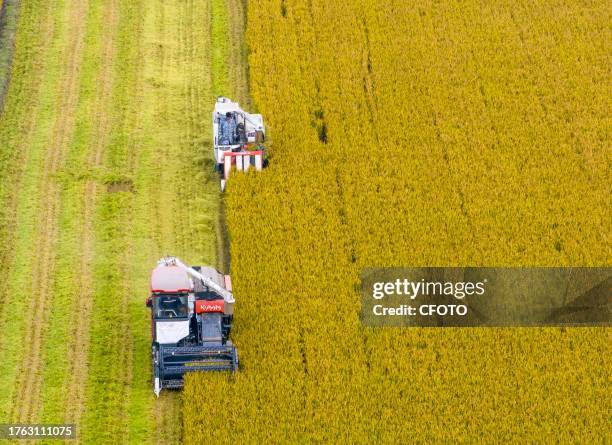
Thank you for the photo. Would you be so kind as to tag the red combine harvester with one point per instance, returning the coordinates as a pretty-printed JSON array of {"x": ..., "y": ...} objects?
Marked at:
[{"x": 192, "y": 310}]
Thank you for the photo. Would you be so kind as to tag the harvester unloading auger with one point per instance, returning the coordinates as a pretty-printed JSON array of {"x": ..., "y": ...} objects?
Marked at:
[
  {"x": 192, "y": 310},
  {"x": 238, "y": 139}
]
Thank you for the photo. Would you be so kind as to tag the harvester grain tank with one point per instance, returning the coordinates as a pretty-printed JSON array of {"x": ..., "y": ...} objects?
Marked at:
[{"x": 192, "y": 310}]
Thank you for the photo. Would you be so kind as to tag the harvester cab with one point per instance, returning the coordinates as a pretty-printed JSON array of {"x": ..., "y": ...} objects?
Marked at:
[
  {"x": 192, "y": 310},
  {"x": 238, "y": 139}
]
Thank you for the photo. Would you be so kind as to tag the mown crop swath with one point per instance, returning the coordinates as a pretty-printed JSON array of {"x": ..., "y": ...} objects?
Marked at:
[{"x": 414, "y": 133}]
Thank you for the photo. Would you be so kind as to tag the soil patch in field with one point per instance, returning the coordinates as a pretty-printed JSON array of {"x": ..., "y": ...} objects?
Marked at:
[{"x": 123, "y": 185}]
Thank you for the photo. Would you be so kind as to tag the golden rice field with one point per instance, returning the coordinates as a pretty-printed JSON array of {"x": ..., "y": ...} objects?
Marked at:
[{"x": 415, "y": 133}]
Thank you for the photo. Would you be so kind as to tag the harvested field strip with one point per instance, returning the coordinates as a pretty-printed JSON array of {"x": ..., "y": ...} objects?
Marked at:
[
  {"x": 33, "y": 213},
  {"x": 18, "y": 124},
  {"x": 105, "y": 417},
  {"x": 66, "y": 352},
  {"x": 27, "y": 400},
  {"x": 108, "y": 136}
]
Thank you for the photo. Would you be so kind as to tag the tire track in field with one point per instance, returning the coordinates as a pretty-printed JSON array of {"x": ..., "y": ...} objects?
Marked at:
[
  {"x": 168, "y": 407},
  {"x": 27, "y": 404},
  {"x": 182, "y": 63},
  {"x": 190, "y": 106},
  {"x": 238, "y": 80},
  {"x": 165, "y": 405},
  {"x": 126, "y": 350},
  {"x": 192, "y": 131},
  {"x": 238, "y": 66},
  {"x": 78, "y": 361}
]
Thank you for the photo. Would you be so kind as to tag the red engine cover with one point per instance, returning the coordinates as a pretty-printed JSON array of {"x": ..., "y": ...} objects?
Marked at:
[{"x": 209, "y": 306}]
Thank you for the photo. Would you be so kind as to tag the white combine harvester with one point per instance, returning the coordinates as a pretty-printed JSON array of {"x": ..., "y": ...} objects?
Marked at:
[{"x": 238, "y": 138}]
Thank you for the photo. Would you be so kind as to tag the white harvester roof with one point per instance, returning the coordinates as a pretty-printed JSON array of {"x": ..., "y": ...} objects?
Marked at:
[{"x": 170, "y": 279}]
